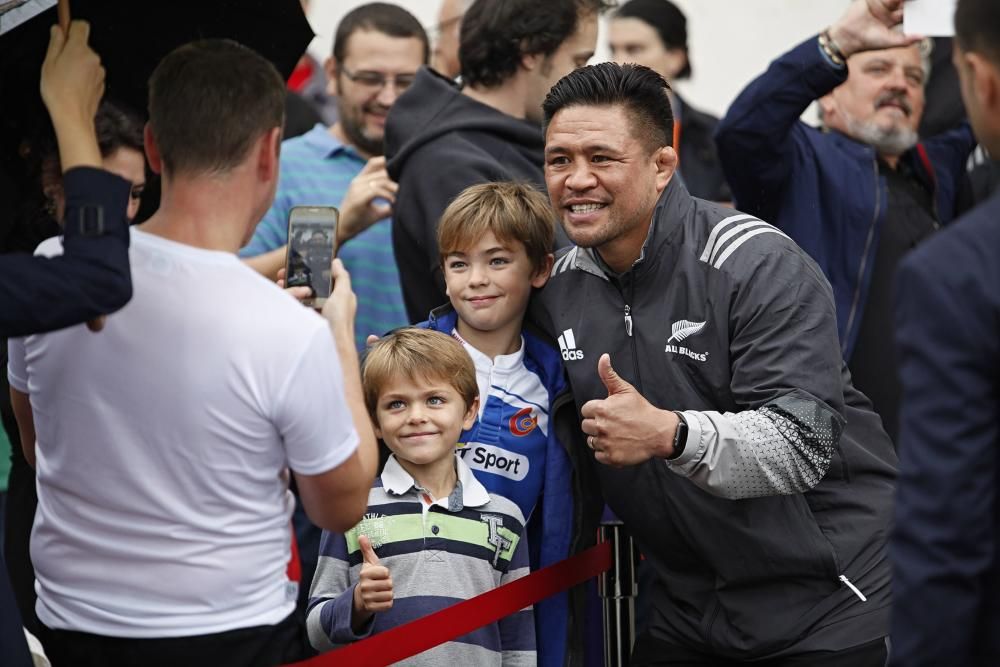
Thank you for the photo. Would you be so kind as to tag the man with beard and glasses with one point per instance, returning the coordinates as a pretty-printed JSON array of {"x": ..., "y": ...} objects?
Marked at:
[
  {"x": 858, "y": 193},
  {"x": 376, "y": 52}
]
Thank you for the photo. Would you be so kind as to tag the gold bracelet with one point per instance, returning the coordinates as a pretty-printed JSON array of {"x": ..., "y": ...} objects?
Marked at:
[{"x": 831, "y": 49}]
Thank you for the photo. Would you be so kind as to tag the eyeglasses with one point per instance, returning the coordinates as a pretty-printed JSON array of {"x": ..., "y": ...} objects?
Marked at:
[{"x": 377, "y": 80}]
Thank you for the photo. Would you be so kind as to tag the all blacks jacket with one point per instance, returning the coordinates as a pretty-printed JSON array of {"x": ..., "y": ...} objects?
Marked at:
[{"x": 768, "y": 534}]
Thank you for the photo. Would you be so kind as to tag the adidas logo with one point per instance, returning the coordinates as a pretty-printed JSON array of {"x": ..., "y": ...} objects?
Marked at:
[{"x": 567, "y": 345}]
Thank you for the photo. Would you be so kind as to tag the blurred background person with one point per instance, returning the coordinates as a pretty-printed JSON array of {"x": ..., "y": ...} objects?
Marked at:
[
  {"x": 654, "y": 33},
  {"x": 445, "y": 37},
  {"x": 858, "y": 194},
  {"x": 944, "y": 548}
]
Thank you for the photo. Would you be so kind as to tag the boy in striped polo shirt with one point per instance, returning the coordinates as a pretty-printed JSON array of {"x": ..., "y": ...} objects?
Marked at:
[{"x": 432, "y": 535}]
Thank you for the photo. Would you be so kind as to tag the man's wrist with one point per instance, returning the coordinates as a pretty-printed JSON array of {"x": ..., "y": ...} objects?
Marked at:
[
  {"x": 841, "y": 41},
  {"x": 665, "y": 443}
]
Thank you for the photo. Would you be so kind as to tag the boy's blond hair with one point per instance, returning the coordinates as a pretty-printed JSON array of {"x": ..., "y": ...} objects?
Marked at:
[
  {"x": 512, "y": 211},
  {"x": 419, "y": 354}
]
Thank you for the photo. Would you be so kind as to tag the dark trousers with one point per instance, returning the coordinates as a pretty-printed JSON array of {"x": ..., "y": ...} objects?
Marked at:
[
  {"x": 652, "y": 652},
  {"x": 260, "y": 646}
]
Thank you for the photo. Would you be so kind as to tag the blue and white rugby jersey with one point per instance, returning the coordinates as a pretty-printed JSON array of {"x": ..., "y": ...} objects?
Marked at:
[{"x": 506, "y": 447}]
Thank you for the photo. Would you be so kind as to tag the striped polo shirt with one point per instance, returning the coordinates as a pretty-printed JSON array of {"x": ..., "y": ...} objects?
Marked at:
[
  {"x": 438, "y": 553},
  {"x": 316, "y": 170}
]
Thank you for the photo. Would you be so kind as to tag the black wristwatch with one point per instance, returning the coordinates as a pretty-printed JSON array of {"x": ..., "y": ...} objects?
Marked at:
[{"x": 680, "y": 437}]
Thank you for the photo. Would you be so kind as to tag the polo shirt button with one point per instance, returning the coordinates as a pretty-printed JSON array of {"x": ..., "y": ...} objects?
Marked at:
[{"x": 435, "y": 530}]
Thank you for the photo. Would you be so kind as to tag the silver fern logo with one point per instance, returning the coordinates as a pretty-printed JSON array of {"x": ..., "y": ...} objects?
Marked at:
[{"x": 683, "y": 329}]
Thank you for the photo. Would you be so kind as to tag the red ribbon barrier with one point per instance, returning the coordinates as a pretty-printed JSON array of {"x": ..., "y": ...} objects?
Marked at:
[{"x": 459, "y": 619}]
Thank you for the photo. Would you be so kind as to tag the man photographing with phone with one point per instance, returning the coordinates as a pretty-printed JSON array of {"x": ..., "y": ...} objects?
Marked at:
[{"x": 176, "y": 427}]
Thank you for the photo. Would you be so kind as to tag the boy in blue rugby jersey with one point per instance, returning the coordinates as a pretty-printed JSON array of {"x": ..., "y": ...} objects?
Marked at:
[
  {"x": 495, "y": 242},
  {"x": 432, "y": 535}
]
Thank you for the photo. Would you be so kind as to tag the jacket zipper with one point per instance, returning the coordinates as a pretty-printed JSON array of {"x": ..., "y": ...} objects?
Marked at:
[
  {"x": 628, "y": 331},
  {"x": 864, "y": 260},
  {"x": 854, "y": 589}
]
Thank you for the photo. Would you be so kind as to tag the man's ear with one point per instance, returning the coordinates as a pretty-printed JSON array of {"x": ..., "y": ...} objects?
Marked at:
[
  {"x": 827, "y": 109},
  {"x": 531, "y": 61},
  {"x": 541, "y": 276},
  {"x": 269, "y": 150},
  {"x": 985, "y": 78},
  {"x": 152, "y": 150},
  {"x": 666, "y": 165},
  {"x": 331, "y": 70}
]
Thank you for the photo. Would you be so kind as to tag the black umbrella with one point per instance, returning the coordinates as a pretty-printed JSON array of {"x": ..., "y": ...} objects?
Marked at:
[{"x": 132, "y": 36}]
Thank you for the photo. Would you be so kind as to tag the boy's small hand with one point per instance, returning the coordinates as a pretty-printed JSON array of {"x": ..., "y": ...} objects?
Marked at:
[{"x": 374, "y": 590}]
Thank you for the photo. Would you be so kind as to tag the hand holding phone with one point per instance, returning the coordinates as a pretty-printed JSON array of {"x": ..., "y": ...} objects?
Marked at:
[{"x": 312, "y": 245}]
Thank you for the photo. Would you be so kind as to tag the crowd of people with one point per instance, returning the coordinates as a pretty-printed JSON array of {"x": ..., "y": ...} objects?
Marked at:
[{"x": 561, "y": 292}]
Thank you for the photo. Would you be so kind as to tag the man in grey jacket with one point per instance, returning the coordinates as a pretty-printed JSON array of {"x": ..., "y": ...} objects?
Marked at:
[{"x": 701, "y": 345}]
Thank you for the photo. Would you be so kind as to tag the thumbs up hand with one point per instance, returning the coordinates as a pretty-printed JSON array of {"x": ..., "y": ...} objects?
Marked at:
[
  {"x": 625, "y": 429},
  {"x": 373, "y": 592}
]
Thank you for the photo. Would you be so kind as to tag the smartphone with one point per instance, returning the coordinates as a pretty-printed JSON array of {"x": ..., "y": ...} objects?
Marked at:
[{"x": 312, "y": 245}]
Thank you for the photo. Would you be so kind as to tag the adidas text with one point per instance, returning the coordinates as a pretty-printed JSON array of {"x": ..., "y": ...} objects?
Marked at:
[{"x": 567, "y": 346}]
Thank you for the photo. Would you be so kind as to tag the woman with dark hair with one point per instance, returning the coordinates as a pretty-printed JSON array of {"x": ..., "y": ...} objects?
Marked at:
[
  {"x": 654, "y": 33},
  {"x": 119, "y": 137}
]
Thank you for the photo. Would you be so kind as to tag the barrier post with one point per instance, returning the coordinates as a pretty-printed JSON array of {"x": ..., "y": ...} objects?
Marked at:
[{"x": 618, "y": 588}]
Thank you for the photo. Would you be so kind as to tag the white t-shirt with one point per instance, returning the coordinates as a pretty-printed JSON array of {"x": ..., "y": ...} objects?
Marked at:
[{"x": 162, "y": 446}]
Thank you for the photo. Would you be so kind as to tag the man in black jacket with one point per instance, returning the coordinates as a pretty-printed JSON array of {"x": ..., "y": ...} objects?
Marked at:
[
  {"x": 440, "y": 139},
  {"x": 701, "y": 346}
]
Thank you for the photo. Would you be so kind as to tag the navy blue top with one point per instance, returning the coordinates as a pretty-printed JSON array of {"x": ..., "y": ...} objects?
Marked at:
[
  {"x": 91, "y": 278},
  {"x": 945, "y": 551}
]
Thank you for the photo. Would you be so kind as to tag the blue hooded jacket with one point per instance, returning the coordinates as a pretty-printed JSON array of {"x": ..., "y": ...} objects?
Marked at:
[
  {"x": 554, "y": 525},
  {"x": 823, "y": 188}
]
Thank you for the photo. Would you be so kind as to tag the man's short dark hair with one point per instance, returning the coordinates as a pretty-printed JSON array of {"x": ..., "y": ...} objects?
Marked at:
[
  {"x": 977, "y": 28},
  {"x": 497, "y": 33},
  {"x": 667, "y": 20},
  {"x": 209, "y": 101},
  {"x": 641, "y": 91},
  {"x": 382, "y": 17}
]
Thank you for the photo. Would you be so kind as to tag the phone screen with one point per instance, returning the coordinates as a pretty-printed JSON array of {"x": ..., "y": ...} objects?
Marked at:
[{"x": 312, "y": 237}]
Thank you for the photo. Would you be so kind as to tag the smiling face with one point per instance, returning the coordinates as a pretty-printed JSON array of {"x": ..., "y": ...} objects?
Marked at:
[
  {"x": 362, "y": 107},
  {"x": 489, "y": 285},
  {"x": 882, "y": 101},
  {"x": 603, "y": 181},
  {"x": 421, "y": 420}
]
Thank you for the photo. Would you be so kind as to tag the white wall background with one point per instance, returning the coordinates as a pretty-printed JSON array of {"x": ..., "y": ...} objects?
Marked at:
[{"x": 730, "y": 41}]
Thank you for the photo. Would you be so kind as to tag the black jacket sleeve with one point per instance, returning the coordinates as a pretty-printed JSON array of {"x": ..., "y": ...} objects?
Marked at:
[{"x": 90, "y": 279}]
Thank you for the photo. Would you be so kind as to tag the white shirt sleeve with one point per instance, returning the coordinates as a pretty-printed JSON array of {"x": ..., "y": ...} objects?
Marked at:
[
  {"x": 311, "y": 413},
  {"x": 17, "y": 367}
]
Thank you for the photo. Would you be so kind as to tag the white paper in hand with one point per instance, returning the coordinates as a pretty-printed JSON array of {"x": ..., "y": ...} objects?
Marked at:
[{"x": 930, "y": 18}]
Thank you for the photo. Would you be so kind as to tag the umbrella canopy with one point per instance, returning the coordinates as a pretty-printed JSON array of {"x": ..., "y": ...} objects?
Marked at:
[{"x": 132, "y": 36}]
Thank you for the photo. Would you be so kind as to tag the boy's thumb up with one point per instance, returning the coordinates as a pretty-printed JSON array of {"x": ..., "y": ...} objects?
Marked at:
[
  {"x": 612, "y": 381},
  {"x": 367, "y": 552}
]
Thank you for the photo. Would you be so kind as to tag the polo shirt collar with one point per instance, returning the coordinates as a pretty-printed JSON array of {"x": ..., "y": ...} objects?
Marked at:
[
  {"x": 468, "y": 491},
  {"x": 325, "y": 143}
]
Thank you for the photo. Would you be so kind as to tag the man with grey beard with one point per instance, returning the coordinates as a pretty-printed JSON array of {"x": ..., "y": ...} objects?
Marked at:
[{"x": 860, "y": 192}]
